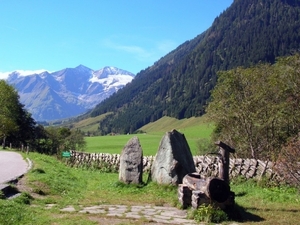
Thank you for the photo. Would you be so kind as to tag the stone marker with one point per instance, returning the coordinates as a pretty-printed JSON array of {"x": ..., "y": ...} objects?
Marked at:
[
  {"x": 173, "y": 159},
  {"x": 131, "y": 162}
]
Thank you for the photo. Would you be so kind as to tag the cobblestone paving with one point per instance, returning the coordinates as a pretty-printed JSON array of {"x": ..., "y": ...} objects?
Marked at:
[{"x": 161, "y": 215}]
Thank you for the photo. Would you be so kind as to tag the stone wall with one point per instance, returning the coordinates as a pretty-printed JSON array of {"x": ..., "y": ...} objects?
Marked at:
[
  {"x": 100, "y": 160},
  {"x": 248, "y": 168},
  {"x": 205, "y": 165}
]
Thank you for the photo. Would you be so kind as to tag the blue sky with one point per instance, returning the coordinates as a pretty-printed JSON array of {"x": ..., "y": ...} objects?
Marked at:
[{"x": 128, "y": 34}]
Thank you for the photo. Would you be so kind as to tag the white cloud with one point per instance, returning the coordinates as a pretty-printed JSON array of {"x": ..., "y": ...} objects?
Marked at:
[
  {"x": 4, "y": 75},
  {"x": 135, "y": 50},
  {"x": 149, "y": 54},
  {"x": 166, "y": 46}
]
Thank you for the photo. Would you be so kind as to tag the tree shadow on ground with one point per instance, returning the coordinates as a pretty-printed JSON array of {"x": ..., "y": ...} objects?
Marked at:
[{"x": 240, "y": 214}]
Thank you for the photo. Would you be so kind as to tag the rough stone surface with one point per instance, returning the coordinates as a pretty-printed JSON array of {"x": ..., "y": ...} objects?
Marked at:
[
  {"x": 67, "y": 209},
  {"x": 173, "y": 160},
  {"x": 148, "y": 214},
  {"x": 131, "y": 162},
  {"x": 206, "y": 165}
]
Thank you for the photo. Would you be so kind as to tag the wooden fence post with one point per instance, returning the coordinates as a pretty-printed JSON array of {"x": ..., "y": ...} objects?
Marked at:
[{"x": 224, "y": 161}]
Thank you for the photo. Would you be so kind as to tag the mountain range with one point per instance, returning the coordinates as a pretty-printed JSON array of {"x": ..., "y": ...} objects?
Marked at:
[
  {"x": 179, "y": 84},
  {"x": 68, "y": 92}
]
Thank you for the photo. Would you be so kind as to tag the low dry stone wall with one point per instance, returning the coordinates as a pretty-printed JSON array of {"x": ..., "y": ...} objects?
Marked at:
[
  {"x": 205, "y": 165},
  {"x": 103, "y": 160},
  {"x": 248, "y": 168}
]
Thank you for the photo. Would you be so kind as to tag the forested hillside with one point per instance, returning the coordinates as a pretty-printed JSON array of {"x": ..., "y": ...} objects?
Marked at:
[{"x": 179, "y": 84}]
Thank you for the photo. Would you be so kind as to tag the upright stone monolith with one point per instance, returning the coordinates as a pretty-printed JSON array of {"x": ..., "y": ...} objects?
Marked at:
[
  {"x": 173, "y": 159},
  {"x": 131, "y": 162}
]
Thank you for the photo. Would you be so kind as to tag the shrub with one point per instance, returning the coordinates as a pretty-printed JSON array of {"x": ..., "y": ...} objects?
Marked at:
[
  {"x": 209, "y": 214},
  {"x": 204, "y": 146},
  {"x": 288, "y": 163}
]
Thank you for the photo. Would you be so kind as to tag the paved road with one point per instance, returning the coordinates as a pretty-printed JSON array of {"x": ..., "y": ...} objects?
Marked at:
[{"x": 12, "y": 165}]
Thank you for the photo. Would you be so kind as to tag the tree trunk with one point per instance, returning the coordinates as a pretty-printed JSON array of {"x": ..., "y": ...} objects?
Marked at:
[
  {"x": 205, "y": 191},
  {"x": 224, "y": 161},
  {"x": 4, "y": 139}
]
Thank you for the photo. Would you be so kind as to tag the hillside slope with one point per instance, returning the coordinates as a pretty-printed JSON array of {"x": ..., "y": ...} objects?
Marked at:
[{"x": 179, "y": 84}]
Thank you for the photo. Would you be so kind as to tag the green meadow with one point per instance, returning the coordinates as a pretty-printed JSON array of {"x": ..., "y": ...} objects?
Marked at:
[
  {"x": 51, "y": 181},
  {"x": 194, "y": 129}
]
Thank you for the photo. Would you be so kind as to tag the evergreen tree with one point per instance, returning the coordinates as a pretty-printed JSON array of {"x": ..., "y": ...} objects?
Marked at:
[
  {"x": 179, "y": 84},
  {"x": 16, "y": 124}
]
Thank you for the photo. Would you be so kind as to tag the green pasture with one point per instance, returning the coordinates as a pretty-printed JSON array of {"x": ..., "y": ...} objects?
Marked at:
[
  {"x": 115, "y": 144},
  {"x": 90, "y": 124},
  {"x": 194, "y": 129}
]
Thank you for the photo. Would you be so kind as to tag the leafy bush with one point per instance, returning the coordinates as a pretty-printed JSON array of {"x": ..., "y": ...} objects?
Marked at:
[
  {"x": 209, "y": 214},
  {"x": 257, "y": 109},
  {"x": 288, "y": 165},
  {"x": 204, "y": 146}
]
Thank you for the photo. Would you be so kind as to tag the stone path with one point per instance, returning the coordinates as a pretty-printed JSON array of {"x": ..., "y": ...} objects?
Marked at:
[{"x": 160, "y": 215}]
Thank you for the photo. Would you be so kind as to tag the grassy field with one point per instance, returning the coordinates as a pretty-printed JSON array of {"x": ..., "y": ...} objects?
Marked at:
[
  {"x": 194, "y": 129},
  {"x": 115, "y": 144},
  {"x": 52, "y": 182},
  {"x": 90, "y": 124}
]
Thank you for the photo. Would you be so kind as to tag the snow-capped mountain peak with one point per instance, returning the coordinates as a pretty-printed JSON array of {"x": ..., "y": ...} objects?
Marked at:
[
  {"x": 110, "y": 70},
  {"x": 68, "y": 92},
  {"x": 112, "y": 76},
  {"x": 28, "y": 72}
]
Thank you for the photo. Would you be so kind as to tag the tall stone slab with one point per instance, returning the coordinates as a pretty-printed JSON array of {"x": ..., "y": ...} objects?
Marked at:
[
  {"x": 173, "y": 159},
  {"x": 131, "y": 162}
]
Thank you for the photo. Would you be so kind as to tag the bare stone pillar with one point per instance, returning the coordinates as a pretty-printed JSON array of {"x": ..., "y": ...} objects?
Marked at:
[
  {"x": 173, "y": 159},
  {"x": 131, "y": 162}
]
